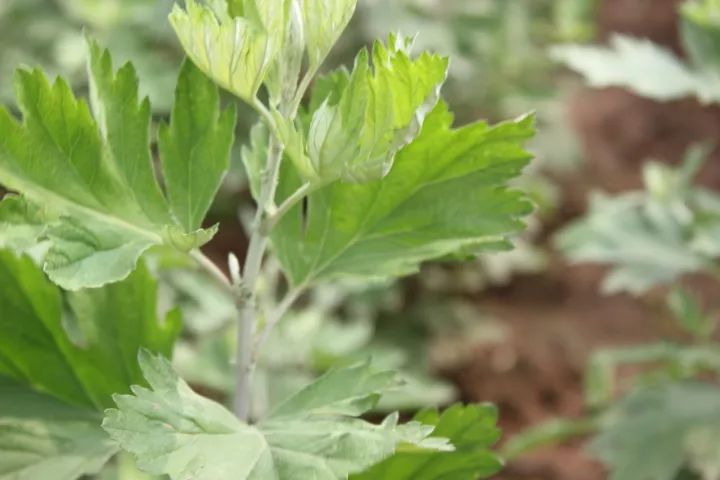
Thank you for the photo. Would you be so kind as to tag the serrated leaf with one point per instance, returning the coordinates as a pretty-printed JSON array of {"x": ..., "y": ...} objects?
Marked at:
[
  {"x": 124, "y": 124},
  {"x": 324, "y": 22},
  {"x": 648, "y": 436},
  {"x": 349, "y": 391},
  {"x": 81, "y": 347},
  {"x": 94, "y": 177},
  {"x": 41, "y": 438},
  {"x": 172, "y": 430},
  {"x": 471, "y": 430},
  {"x": 356, "y": 133},
  {"x": 446, "y": 191},
  {"x": 195, "y": 147},
  {"x": 235, "y": 51},
  {"x": 640, "y": 66}
]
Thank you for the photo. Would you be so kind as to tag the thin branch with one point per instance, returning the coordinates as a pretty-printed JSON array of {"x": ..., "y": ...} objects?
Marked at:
[
  {"x": 287, "y": 205},
  {"x": 267, "y": 117},
  {"x": 214, "y": 271},
  {"x": 302, "y": 89}
]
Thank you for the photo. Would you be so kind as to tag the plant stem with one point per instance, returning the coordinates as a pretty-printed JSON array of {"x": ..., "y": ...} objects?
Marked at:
[
  {"x": 253, "y": 263},
  {"x": 214, "y": 271},
  {"x": 287, "y": 205},
  {"x": 302, "y": 89}
]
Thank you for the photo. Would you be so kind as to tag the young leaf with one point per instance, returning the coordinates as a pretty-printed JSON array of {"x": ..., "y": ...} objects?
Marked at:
[
  {"x": 80, "y": 348},
  {"x": 446, "y": 192},
  {"x": 94, "y": 178},
  {"x": 355, "y": 134},
  {"x": 472, "y": 431},
  {"x": 41, "y": 438},
  {"x": 195, "y": 147},
  {"x": 172, "y": 430},
  {"x": 254, "y": 156},
  {"x": 236, "y": 52},
  {"x": 665, "y": 418},
  {"x": 282, "y": 78},
  {"x": 640, "y": 66},
  {"x": 325, "y": 20}
]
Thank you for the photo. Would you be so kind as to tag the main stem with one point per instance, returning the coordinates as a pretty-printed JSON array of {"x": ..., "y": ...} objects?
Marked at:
[{"x": 253, "y": 263}]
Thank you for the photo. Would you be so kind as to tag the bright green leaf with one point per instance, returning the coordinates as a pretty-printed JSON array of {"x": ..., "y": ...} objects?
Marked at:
[
  {"x": 282, "y": 79},
  {"x": 41, "y": 438},
  {"x": 82, "y": 347},
  {"x": 472, "y": 431},
  {"x": 94, "y": 178},
  {"x": 446, "y": 192},
  {"x": 172, "y": 430},
  {"x": 195, "y": 147},
  {"x": 325, "y": 20},
  {"x": 236, "y": 52},
  {"x": 124, "y": 126},
  {"x": 355, "y": 134}
]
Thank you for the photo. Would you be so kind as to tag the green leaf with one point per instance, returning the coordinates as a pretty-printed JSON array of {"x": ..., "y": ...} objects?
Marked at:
[
  {"x": 649, "y": 434},
  {"x": 94, "y": 177},
  {"x": 282, "y": 79},
  {"x": 472, "y": 431},
  {"x": 348, "y": 391},
  {"x": 41, "y": 438},
  {"x": 355, "y": 134},
  {"x": 650, "y": 237},
  {"x": 172, "y": 430},
  {"x": 80, "y": 347},
  {"x": 236, "y": 52},
  {"x": 195, "y": 147},
  {"x": 324, "y": 22},
  {"x": 21, "y": 223},
  {"x": 254, "y": 156},
  {"x": 446, "y": 192},
  {"x": 700, "y": 32},
  {"x": 124, "y": 126},
  {"x": 645, "y": 249},
  {"x": 689, "y": 313},
  {"x": 640, "y": 66}
]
